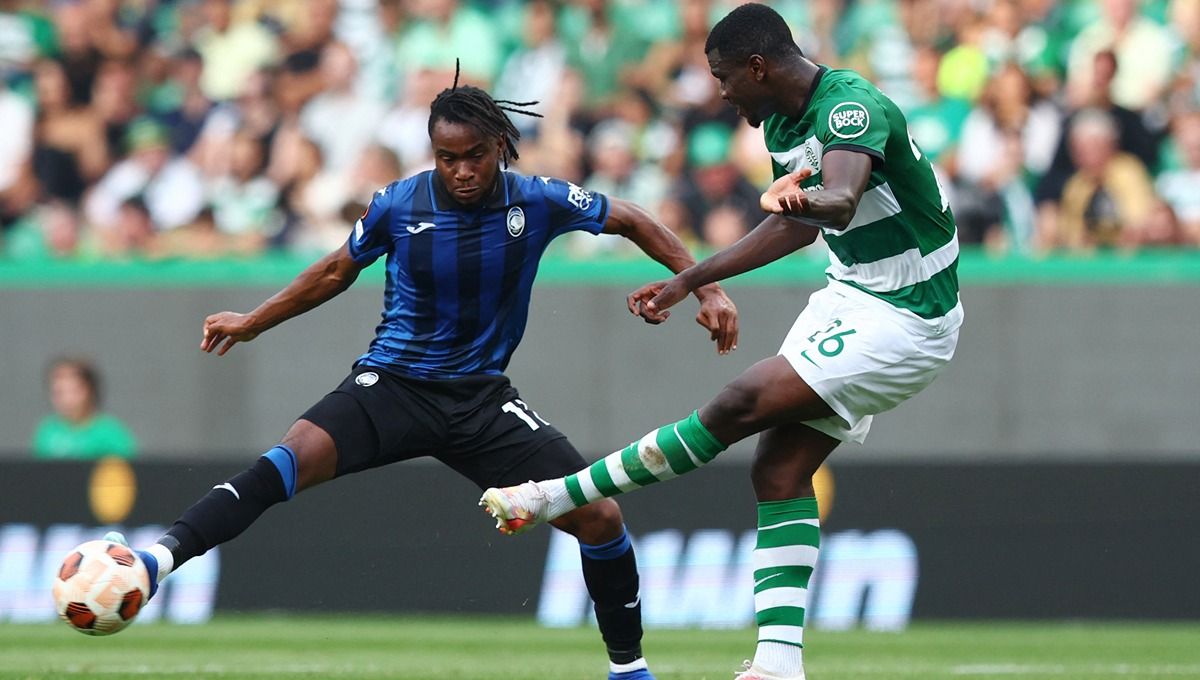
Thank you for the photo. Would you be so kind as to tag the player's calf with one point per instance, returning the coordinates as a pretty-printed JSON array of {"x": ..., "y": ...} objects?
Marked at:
[
  {"x": 663, "y": 454},
  {"x": 222, "y": 514}
]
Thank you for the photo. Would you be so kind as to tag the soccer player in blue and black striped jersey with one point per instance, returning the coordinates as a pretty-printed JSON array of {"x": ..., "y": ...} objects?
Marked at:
[{"x": 462, "y": 244}]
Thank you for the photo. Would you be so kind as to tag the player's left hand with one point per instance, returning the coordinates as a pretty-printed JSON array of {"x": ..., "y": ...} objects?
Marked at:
[
  {"x": 784, "y": 196},
  {"x": 719, "y": 315}
]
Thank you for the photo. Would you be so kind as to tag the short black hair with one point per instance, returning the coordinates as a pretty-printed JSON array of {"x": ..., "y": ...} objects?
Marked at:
[
  {"x": 752, "y": 29},
  {"x": 472, "y": 106}
]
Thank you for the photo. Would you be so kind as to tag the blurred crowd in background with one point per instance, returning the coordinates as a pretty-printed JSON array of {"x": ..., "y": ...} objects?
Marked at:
[{"x": 211, "y": 128}]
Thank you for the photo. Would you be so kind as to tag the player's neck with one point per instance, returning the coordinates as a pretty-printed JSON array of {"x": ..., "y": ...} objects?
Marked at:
[{"x": 799, "y": 79}]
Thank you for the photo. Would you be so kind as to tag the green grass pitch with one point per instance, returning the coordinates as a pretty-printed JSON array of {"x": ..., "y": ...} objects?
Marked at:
[{"x": 420, "y": 648}]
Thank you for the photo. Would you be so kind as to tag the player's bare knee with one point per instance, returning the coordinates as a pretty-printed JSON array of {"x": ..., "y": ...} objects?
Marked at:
[
  {"x": 315, "y": 451},
  {"x": 593, "y": 524},
  {"x": 773, "y": 484},
  {"x": 734, "y": 408}
]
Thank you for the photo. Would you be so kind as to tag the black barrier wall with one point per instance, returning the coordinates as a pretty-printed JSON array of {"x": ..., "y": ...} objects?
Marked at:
[{"x": 898, "y": 541}]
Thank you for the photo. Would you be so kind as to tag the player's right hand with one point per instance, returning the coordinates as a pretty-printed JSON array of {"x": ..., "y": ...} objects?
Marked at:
[
  {"x": 785, "y": 196},
  {"x": 228, "y": 327}
]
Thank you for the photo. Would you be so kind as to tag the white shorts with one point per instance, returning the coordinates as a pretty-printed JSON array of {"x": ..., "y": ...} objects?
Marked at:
[{"x": 863, "y": 356}]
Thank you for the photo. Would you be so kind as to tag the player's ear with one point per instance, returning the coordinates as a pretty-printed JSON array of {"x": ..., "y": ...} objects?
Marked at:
[{"x": 757, "y": 66}]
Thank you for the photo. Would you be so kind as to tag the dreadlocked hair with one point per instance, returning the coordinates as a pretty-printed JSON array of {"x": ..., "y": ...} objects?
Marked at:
[{"x": 473, "y": 106}]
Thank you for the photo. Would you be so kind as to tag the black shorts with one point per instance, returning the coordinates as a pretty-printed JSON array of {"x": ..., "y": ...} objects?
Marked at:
[{"x": 478, "y": 425}]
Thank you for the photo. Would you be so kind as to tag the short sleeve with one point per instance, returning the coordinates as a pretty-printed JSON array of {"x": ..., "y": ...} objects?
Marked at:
[
  {"x": 372, "y": 232},
  {"x": 852, "y": 120},
  {"x": 573, "y": 208}
]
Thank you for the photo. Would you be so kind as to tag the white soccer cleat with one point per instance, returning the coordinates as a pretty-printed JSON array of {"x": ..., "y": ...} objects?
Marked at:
[
  {"x": 517, "y": 509},
  {"x": 750, "y": 672}
]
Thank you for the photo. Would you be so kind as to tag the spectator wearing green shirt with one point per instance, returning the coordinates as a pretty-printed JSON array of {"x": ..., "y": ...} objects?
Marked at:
[{"x": 77, "y": 429}]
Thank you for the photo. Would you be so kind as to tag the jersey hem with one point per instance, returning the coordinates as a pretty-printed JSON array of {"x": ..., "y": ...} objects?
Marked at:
[{"x": 948, "y": 322}]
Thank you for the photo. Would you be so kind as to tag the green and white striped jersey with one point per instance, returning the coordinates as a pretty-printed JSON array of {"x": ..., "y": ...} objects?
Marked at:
[{"x": 901, "y": 245}]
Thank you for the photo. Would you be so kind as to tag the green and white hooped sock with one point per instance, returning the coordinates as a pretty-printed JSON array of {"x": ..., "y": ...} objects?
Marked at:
[
  {"x": 663, "y": 454},
  {"x": 789, "y": 537}
]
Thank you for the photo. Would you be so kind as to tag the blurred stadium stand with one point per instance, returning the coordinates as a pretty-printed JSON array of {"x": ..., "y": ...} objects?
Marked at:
[{"x": 196, "y": 128}]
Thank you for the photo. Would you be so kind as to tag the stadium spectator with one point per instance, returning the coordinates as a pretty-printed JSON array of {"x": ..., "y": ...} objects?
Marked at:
[
  {"x": 675, "y": 69},
  {"x": 75, "y": 51},
  {"x": 654, "y": 138},
  {"x": 1143, "y": 48},
  {"x": 69, "y": 149},
  {"x": 1185, "y": 88},
  {"x": 78, "y": 429},
  {"x": 231, "y": 51},
  {"x": 50, "y": 231},
  {"x": 404, "y": 128},
  {"x": 172, "y": 187},
  {"x": 179, "y": 104},
  {"x": 313, "y": 198},
  {"x": 340, "y": 119},
  {"x": 25, "y": 35},
  {"x": 17, "y": 187},
  {"x": 934, "y": 120},
  {"x": 605, "y": 43},
  {"x": 244, "y": 200},
  {"x": 444, "y": 31},
  {"x": 134, "y": 234},
  {"x": 346, "y": 75},
  {"x": 1007, "y": 136},
  {"x": 719, "y": 201},
  {"x": 1132, "y": 134},
  {"x": 1180, "y": 187},
  {"x": 616, "y": 172},
  {"x": 114, "y": 99},
  {"x": 1108, "y": 201},
  {"x": 534, "y": 71}
]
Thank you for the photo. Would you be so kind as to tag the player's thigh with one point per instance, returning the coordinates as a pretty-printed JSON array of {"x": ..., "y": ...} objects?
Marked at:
[
  {"x": 785, "y": 460},
  {"x": 504, "y": 442},
  {"x": 861, "y": 358},
  {"x": 768, "y": 393},
  {"x": 373, "y": 419}
]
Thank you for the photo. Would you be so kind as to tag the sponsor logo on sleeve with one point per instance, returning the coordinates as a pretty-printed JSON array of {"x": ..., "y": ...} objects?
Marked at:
[
  {"x": 578, "y": 196},
  {"x": 849, "y": 120}
]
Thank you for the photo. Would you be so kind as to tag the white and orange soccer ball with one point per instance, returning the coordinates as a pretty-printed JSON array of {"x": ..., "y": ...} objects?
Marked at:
[{"x": 100, "y": 588}]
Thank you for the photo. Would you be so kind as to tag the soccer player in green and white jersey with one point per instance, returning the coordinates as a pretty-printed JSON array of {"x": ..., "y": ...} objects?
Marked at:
[{"x": 883, "y": 328}]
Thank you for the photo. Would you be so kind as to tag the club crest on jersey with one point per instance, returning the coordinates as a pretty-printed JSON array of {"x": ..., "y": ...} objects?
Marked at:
[
  {"x": 515, "y": 221},
  {"x": 849, "y": 120},
  {"x": 578, "y": 196},
  {"x": 366, "y": 379}
]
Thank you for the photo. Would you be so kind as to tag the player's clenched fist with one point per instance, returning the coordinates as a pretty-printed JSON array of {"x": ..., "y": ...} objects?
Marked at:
[{"x": 228, "y": 327}]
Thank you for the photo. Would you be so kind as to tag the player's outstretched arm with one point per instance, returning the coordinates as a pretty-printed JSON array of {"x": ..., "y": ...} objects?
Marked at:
[
  {"x": 773, "y": 238},
  {"x": 717, "y": 312},
  {"x": 844, "y": 176},
  {"x": 321, "y": 281}
]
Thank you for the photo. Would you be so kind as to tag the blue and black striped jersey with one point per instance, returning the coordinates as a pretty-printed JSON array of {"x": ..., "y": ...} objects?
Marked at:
[{"x": 458, "y": 281}]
